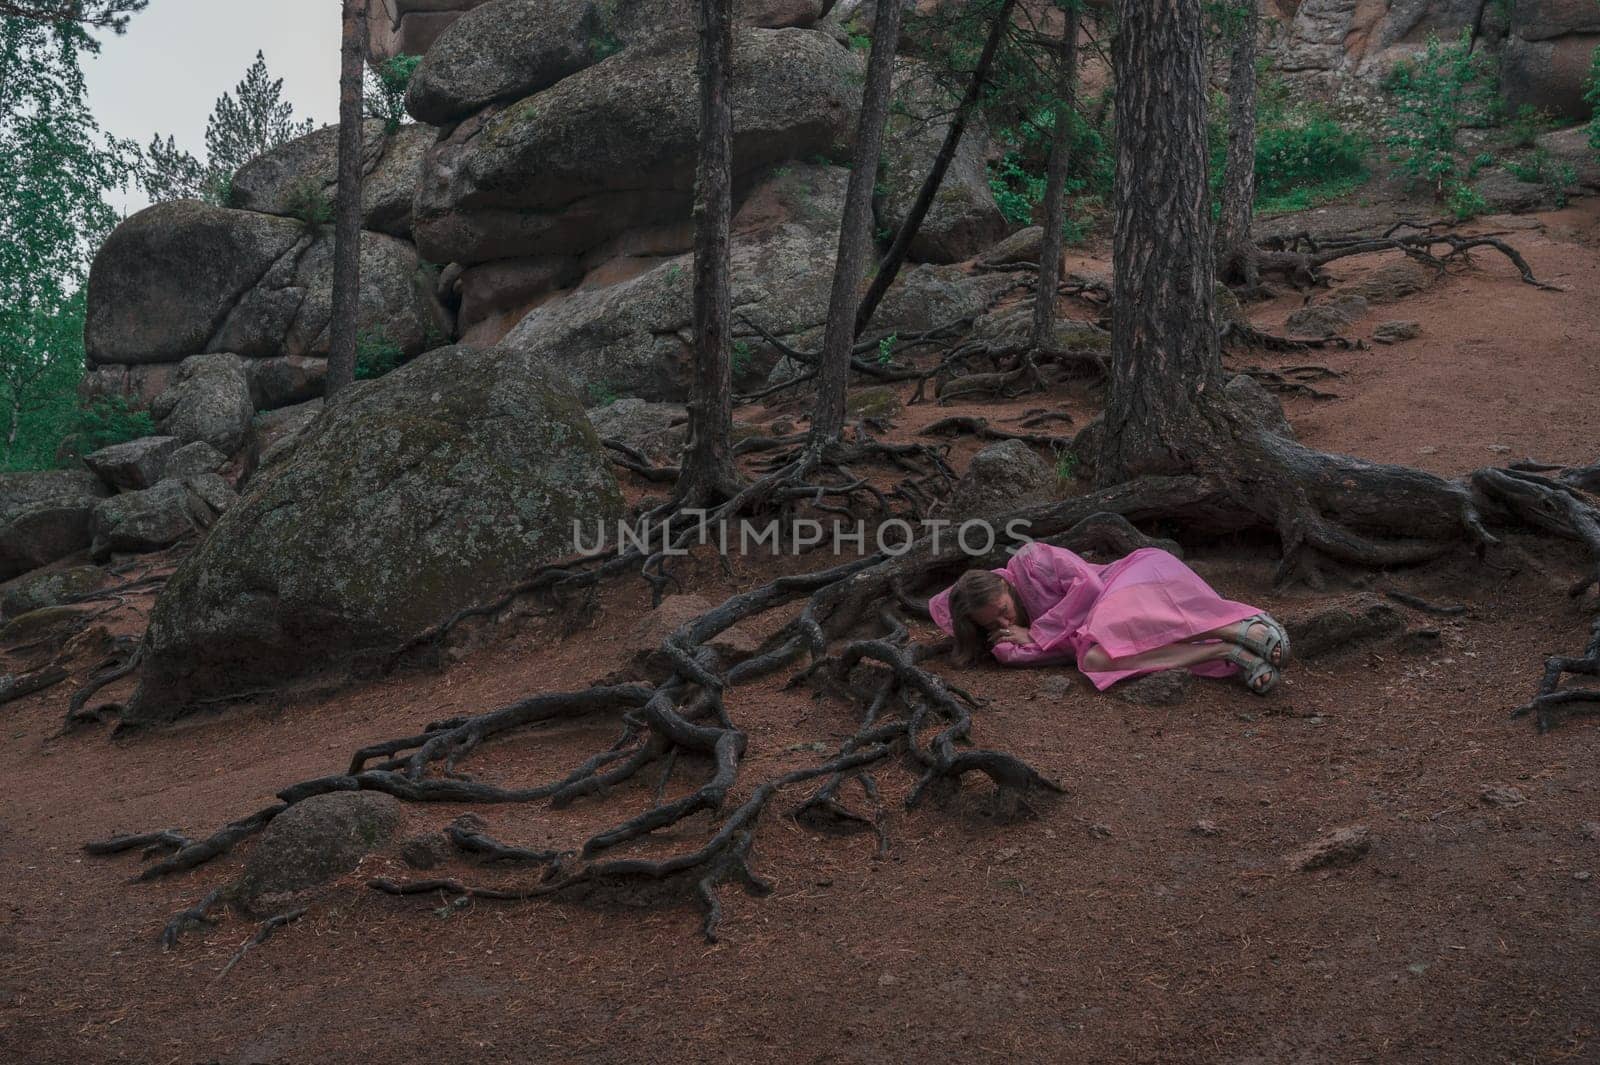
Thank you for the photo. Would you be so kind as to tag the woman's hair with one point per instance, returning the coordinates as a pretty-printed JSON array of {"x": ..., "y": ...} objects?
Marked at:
[{"x": 977, "y": 588}]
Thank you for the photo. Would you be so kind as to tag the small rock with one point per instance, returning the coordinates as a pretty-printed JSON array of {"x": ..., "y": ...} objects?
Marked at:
[
  {"x": 316, "y": 840},
  {"x": 1058, "y": 686},
  {"x": 1396, "y": 331},
  {"x": 886, "y": 980},
  {"x": 1006, "y": 854},
  {"x": 1167, "y": 688},
  {"x": 1429, "y": 450},
  {"x": 1416, "y": 969},
  {"x": 1100, "y": 831},
  {"x": 1421, "y": 641},
  {"x": 1590, "y": 830},
  {"x": 1338, "y": 628},
  {"x": 426, "y": 851},
  {"x": 1318, "y": 320},
  {"x": 1343, "y": 846},
  {"x": 879, "y": 403},
  {"x": 1000, "y": 478},
  {"x": 1500, "y": 449},
  {"x": 194, "y": 459},
  {"x": 1501, "y": 795},
  {"x": 1205, "y": 828},
  {"x": 1582, "y": 875}
]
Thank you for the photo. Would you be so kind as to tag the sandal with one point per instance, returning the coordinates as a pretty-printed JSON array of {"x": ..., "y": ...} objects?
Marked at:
[
  {"x": 1255, "y": 668},
  {"x": 1277, "y": 639}
]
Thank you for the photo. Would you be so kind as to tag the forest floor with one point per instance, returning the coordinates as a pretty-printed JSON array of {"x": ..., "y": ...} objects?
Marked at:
[{"x": 1149, "y": 915}]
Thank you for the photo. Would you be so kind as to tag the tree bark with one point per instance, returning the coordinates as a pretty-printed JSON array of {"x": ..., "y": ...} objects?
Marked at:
[
  {"x": 1166, "y": 398},
  {"x": 347, "y": 202},
  {"x": 889, "y": 268},
  {"x": 708, "y": 472},
  {"x": 855, "y": 232},
  {"x": 1235, "y": 246},
  {"x": 1055, "y": 187}
]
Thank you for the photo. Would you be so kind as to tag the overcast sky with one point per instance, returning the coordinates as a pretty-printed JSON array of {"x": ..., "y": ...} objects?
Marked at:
[{"x": 177, "y": 57}]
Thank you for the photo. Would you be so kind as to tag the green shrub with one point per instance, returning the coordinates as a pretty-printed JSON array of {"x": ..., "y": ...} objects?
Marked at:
[
  {"x": 742, "y": 354},
  {"x": 1313, "y": 154},
  {"x": 1018, "y": 179},
  {"x": 308, "y": 201},
  {"x": 1465, "y": 201},
  {"x": 104, "y": 422},
  {"x": 376, "y": 355},
  {"x": 1592, "y": 98},
  {"x": 1522, "y": 129},
  {"x": 1446, "y": 89},
  {"x": 385, "y": 95},
  {"x": 1540, "y": 168}
]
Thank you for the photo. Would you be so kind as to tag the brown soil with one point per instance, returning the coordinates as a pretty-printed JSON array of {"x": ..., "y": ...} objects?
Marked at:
[{"x": 1108, "y": 929}]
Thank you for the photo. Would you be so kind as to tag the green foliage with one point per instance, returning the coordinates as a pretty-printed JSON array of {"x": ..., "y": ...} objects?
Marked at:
[
  {"x": 741, "y": 356},
  {"x": 376, "y": 355},
  {"x": 1540, "y": 168},
  {"x": 1592, "y": 98},
  {"x": 241, "y": 127},
  {"x": 1304, "y": 157},
  {"x": 860, "y": 39},
  {"x": 106, "y": 421},
  {"x": 385, "y": 94},
  {"x": 1436, "y": 95},
  {"x": 1066, "y": 465},
  {"x": 886, "y": 349},
  {"x": 1522, "y": 129},
  {"x": 1465, "y": 201},
  {"x": 1018, "y": 178},
  {"x": 308, "y": 201},
  {"x": 601, "y": 394},
  {"x": 55, "y": 170}
]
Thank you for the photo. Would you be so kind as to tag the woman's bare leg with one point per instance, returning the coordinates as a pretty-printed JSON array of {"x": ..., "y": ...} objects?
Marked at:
[
  {"x": 1230, "y": 633},
  {"x": 1172, "y": 656}
]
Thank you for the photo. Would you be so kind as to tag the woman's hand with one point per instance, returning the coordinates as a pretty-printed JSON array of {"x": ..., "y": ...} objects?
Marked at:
[{"x": 1011, "y": 634}]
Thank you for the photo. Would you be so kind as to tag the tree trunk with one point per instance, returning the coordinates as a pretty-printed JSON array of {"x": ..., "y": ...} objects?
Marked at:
[
  {"x": 347, "y": 202},
  {"x": 708, "y": 473},
  {"x": 855, "y": 232},
  {"x": 1166, "y": 398},
  {"x": 1055, "y": 187},
  {"x": 1235, "y": 246},
  {"x": 889, "y": 268}
]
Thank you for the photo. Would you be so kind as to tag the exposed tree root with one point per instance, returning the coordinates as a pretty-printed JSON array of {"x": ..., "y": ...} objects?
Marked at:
[
  {"x": 1300, "y": 258},
  {"x": 15, "y": 687},
  {"x": 269, "y": 926}
]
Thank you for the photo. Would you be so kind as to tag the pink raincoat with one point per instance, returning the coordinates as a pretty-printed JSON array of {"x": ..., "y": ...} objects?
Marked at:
[{"x": 1147, "y": 600}]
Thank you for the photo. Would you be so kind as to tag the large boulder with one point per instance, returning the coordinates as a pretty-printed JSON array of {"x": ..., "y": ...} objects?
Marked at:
[
  {"x": 133, "y": 464},
  {"x": 295, "y": 175},
  {"x": 315, "y": 840},
  {"x": 44, "y": 516},
  {"x": 209, "y": 400},
  {"x": 613, "y": 147},
  {"x": 411, "y": 497},
  {"x": 1550, "y": 73},
  {"x": 186, "y": 278},
  {"x": 165, "y": 279},
  {"x": 409, "y": 27},
  {"x": 657, "y": 430},
  {"x": 508, "y": 49},
  {"x": 147, "y": 520},
  {"x": 47, "y": 588},
  {"x": 963, "y": 219},
  {"x": 633, "y": 337},
  {"x": 137, "y": 386},
  {"x": 288, "y": 312}
]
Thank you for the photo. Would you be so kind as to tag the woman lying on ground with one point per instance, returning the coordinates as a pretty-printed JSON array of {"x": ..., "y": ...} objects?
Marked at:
[{"x": 1141, "y": 614}]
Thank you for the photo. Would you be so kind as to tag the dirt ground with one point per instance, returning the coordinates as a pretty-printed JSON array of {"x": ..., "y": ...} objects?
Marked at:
[{"x": 1112, "y": 927}]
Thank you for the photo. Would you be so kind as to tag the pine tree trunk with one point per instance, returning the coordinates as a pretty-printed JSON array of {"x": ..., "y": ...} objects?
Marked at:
[
  {"x": 1055, "y": 188},
  {"x": 889, "y": 268},
  {"x": 855, "y": 232},
  {"x": 1236, "y": 247},
  {"x": 347, "y": 202},
  {"x": 708, "y": 472},
  {"x": 1166, "y": 381}
]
